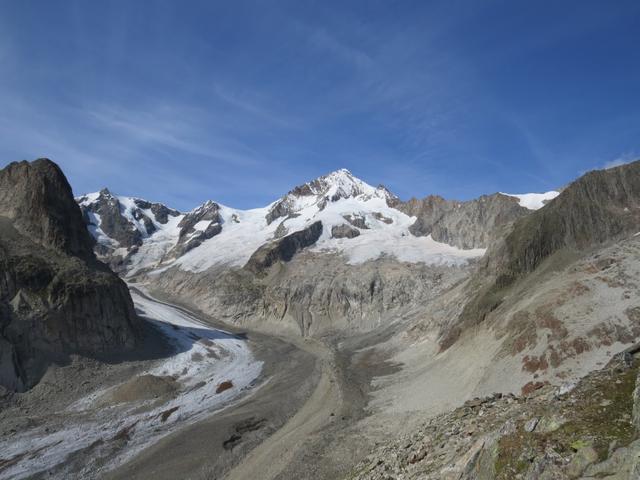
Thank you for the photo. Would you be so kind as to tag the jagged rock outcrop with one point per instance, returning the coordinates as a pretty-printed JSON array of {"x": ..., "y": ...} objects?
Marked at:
[
  {"x": 124, "y": 226},
  {"x": 190, "y": 237},
  {"x": 344, "y": 231},
  {"x": 160, "y": 212},
  {"x": 470, "y": 224},
  {"x": 112, "y": 221},
  {"x": 284, "y": 249},
  {"x": 30, "y": 197},
  {"x": 56, "y": 299}
]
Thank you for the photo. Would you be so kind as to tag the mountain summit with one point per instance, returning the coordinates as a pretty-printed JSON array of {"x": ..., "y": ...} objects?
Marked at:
[{"x": 337, "y": 185}]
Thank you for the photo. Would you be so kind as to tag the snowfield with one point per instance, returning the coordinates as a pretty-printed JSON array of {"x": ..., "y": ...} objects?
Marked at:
[
  {"x": 533, "y": 201},
  {"x": 204, "y": 358}
]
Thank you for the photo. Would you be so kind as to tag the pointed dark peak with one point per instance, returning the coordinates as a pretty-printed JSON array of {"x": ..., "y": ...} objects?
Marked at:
[{"x": 38, "y": 199}]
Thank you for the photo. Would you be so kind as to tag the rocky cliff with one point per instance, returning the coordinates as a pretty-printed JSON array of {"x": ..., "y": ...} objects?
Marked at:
[
  {"x": 56, "y": 299},
  {"x": 470, "y": 224},
  {"x": 312, "y": 294},
  {"x": 35, "y": 197}
]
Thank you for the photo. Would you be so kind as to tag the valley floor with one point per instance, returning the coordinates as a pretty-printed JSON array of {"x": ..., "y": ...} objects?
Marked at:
[
  {"x": 300, "y": 423},
  {"x": 90, "y": 416}
]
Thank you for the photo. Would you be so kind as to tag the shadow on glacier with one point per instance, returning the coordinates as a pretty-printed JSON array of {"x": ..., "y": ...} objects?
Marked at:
[{"x": 159, "y": 340}]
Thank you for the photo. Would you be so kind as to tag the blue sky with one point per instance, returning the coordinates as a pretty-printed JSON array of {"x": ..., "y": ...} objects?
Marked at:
[{"x": 239, "y": 101}]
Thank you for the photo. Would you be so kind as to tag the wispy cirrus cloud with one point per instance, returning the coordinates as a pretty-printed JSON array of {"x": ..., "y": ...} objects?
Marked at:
[
  {"x": 181, "y": 128},
  {"x": 238, "y": 104},
  {"x": 254, "y": 104},
  {"x": 325, "y": 41}
]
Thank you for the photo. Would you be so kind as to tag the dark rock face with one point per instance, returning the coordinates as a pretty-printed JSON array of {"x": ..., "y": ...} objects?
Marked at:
[
  {"x": 357, "y": 221},
  {"x": 283, "y": 249},
  {"x": 191, "y": 238},
  {"x": 600, "y": 206},
  {"x": 462, "y": 224},
  {"x": 209, "y": 211},
  {"x": 30, "y": 198},
  {"x": 56, "y": 299},
  {"x": 279, "y": 210},
  {"x": 160, "y": 211},
  {"x": 113, "y": 223},
  {"x": 116, "y": 225},
  {"x": 344, "y": 231}
]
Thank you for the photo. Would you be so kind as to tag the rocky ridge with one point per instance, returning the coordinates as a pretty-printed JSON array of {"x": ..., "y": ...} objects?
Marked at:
[
  {"x": 470, "y": 224},
  {"x": 600, "y": 207},
  {"x": 333, "y": 187}
]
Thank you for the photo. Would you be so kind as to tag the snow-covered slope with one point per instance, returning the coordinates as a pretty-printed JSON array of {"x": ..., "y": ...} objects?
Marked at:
[{"x": 359, "y": 221}]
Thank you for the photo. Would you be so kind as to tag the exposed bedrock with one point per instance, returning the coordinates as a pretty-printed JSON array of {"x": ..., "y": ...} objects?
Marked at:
[
  {"x": 284, "y": 248},
  {"x": 313, "y": 293},
  {"x": 470, "y": 224},
  {"x": 344, "y": 231}
]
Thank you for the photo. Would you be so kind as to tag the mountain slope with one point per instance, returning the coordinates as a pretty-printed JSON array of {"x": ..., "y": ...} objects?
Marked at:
[
  {"x": 601, "y": 206},
  {"x": 56, "y": 299},
  {"x": 552, "y": 299}
]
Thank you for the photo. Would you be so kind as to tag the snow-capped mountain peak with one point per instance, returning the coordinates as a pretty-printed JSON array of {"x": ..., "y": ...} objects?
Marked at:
[
  {"x": 341, "y": 184},
  {"x": 337, "y": 185}
]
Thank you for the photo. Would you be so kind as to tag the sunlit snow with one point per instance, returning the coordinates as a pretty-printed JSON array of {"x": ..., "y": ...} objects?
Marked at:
[{"x": 533, "y": 201}]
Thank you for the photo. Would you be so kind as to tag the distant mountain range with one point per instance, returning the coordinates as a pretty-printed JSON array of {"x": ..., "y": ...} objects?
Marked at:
[{"x": 359, "y": 222}]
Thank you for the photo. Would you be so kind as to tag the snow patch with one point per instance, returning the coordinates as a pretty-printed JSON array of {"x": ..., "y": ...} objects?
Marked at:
[
  {"x": 533, "y": 201},
  {"x": 244, "y": 231}
]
